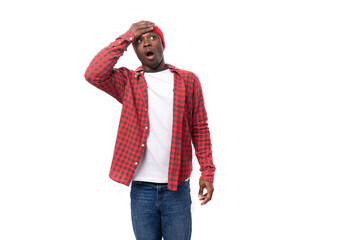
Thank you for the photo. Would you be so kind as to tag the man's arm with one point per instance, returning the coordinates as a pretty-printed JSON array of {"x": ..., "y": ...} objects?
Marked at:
[
  {"x": 202, "y": 145},
  {"x": 101, "y": 72}
]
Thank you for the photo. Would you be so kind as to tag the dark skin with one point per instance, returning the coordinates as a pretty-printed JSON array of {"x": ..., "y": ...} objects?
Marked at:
[
  {"x": 148, "y": 46},
  {"x": 149, "y": 49}
]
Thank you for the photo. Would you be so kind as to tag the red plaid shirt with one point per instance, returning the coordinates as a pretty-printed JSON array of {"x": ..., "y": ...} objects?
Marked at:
[{"x": 130, "y": 89}]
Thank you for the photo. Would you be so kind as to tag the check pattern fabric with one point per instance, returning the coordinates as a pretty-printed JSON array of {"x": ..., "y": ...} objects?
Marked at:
[{"x": 130, "y": 89}]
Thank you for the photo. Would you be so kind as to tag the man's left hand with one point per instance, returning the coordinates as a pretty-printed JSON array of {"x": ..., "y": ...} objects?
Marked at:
[{"x": 209, "y": 186}]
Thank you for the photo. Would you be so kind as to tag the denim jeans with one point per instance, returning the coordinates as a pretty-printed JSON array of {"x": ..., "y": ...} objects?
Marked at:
[{"x": 158, "y": 212}]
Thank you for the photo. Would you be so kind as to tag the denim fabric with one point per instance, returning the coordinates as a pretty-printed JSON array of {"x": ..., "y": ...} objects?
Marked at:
[{"x": 158, "y": 212}]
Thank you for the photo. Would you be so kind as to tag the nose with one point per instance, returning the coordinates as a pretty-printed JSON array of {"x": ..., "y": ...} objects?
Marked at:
[{"x": 147, "y": 42}]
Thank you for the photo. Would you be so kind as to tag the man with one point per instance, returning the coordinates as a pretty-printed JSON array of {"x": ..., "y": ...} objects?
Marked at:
[{"x": 163, "y": 111}]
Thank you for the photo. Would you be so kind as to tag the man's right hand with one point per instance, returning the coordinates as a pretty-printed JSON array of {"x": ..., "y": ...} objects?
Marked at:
[{"x": 141, "y": 27}]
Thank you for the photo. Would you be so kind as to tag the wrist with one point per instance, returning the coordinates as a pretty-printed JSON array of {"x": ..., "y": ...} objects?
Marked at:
[{"x": 128, "y": 36}]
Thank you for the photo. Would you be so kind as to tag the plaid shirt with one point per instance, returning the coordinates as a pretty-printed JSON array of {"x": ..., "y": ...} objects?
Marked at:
[{"x": 130, "y": 89}]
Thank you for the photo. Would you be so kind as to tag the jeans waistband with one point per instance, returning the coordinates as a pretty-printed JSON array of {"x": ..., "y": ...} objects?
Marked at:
[{"x": 158, "y": 184}]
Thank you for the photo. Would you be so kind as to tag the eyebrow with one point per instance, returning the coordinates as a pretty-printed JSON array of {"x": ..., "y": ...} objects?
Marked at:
[{"x": 151, "y": 32}]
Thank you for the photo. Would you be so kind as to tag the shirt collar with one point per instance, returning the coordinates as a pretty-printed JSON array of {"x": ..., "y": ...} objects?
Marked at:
[{"x": 171, "y": 67}]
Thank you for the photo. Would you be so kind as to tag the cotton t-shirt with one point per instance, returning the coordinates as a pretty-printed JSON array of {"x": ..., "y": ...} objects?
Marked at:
[{"x": 154, "y": 165}]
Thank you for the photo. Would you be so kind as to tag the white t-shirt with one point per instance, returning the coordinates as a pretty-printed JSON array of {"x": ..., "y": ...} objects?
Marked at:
[{"x": 154, "y": 165}]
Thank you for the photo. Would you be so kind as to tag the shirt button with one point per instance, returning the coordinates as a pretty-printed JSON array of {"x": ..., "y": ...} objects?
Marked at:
[
  {"x": 136, "y": 163},
  {"x": 142, "y": 145},
  {"x": 146, "y": 127}
]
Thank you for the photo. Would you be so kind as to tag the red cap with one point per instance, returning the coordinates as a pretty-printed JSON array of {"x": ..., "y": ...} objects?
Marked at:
[{"x": 158, "y": 31}]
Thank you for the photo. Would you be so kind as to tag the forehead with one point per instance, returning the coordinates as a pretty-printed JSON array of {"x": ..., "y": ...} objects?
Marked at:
[{"x": 147, "y": 34}]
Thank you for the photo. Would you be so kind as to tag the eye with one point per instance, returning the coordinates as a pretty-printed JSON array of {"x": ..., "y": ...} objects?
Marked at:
[{"x": 152, "y": 37}]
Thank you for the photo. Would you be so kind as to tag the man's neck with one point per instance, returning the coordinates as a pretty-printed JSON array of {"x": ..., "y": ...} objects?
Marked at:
[
  {"x": 154, "y": 71},
  {"x": 162, "y": 65}
]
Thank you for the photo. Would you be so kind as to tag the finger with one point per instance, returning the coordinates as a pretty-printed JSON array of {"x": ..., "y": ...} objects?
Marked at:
[
  {"x": 201, "y": 190},
  {"x": 140, "y": 32},
  {"x": 146, "y": 25},
  {"x": 202, "y": 197},
  {"x": 146, "y": 22},
  {"x": 145, "y": 29},
  {"x": 208, "y": 195},
  {"x": 143, "y": 22},
  {"x": 206, "y": 199},
  {"x": 142, "y": 27}
]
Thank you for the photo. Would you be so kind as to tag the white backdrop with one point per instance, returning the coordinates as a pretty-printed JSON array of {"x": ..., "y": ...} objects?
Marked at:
[{"x": 281, "y": 86}]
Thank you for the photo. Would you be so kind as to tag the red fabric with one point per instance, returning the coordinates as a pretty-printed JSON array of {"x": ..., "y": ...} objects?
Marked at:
[
  {"x": 158, "y": 31},
  {"x": 189, "y": 117}
]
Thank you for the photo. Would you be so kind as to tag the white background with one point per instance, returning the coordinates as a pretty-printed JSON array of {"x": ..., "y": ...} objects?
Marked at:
[{"x": 281, "y": 86}]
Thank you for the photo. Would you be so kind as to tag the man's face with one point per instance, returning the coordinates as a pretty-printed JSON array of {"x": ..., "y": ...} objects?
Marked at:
[{"x": 149, "y": 50}]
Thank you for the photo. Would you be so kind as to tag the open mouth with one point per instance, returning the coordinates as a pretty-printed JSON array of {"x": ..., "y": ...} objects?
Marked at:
[{"x": 149, "y": 55}]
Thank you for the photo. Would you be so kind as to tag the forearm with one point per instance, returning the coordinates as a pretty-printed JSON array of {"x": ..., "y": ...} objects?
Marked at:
[
  {"x": 203, "y": 150},
  {"x": 101, "y": 67},
  {"x": 101, "y": 72},
  {"x": 201, "y": 135}
]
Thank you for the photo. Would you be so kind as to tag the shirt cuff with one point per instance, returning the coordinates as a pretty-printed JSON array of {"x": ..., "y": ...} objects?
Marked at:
[
  {"x": 128, "y": 36},
  {"x": 207, "y": 176},
  {"x": 123, "y": 41}
]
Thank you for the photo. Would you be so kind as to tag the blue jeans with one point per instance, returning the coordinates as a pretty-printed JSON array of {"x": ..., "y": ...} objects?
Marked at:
[{"x": 158, "y": 212}]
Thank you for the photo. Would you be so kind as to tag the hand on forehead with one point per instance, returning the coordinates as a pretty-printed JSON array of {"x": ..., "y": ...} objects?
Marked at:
[{"x": 142, "y": 27}]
